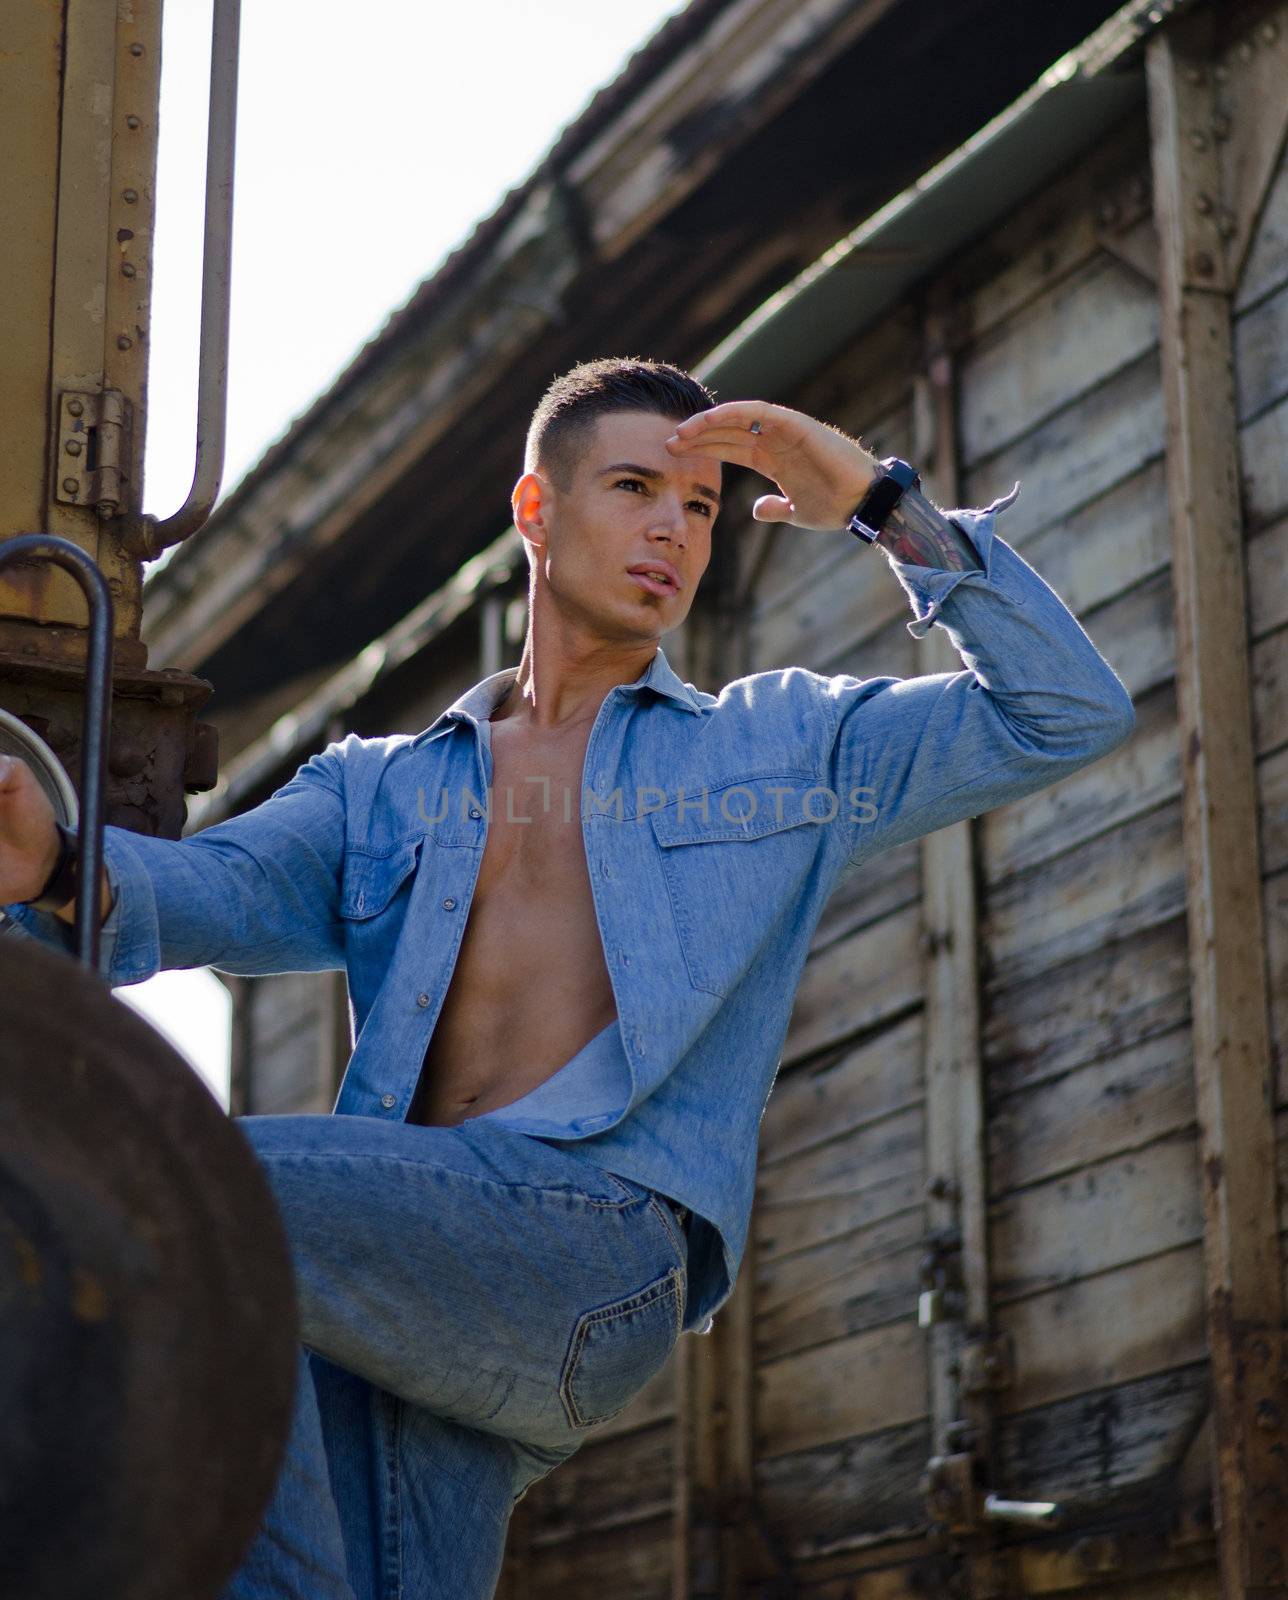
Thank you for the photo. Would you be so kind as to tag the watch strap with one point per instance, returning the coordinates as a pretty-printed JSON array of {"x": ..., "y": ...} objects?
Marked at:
[
  {"x": 894, "y": 477},
  {"x": 60, "y": 886}
]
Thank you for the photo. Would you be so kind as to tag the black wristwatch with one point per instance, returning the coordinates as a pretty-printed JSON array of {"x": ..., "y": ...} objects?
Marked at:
[
  {"x": 60, "y": 886},
  {"x": 884, "y": 494}
]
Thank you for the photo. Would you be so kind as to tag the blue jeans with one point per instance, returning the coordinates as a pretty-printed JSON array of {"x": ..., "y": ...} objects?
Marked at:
[{"x": 472, "y": 1302}]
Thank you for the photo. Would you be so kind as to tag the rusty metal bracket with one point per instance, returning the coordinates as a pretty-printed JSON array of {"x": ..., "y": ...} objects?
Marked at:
[
  {"x": 987, "y": 1365},
  {"x": 93, "y": 444}
]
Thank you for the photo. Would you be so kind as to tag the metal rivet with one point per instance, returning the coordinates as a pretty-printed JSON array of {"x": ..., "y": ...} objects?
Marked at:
[
  {"x": 129, "y": 196},
  {"x": 1199, "y": 140},
  {"x": 1269, "y": 31},
  {"x": 128, "y": 269},
  {"x": 106, "y": 509},
  {"x": 71, "y": 485},
  {"x": 388, "y": 1101},
  {"x": 73, "y": 447},
  {"x": 131, "y": 122},
  {"x": 123, "y": 341},
  {"x": 75, "y": 408},
  {"x": 136, "y": 49},
  {"x": 1203, "y": 204}
]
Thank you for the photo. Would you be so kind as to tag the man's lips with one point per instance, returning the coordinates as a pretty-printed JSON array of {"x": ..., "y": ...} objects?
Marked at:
[{"x": 644, "y": 572}]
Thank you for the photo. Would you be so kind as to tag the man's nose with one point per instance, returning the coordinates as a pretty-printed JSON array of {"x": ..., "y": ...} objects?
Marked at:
[{"x": 669, "y": 522}]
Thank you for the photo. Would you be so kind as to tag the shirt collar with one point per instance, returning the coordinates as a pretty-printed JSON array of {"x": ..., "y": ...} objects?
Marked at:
[{"x": 478, "y": 703}]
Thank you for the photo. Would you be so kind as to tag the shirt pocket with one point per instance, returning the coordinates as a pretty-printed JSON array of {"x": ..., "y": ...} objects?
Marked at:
[
  {"x": 735, "y": 866},
  {"x": 372, "y": 880},
  {"x": 616, "y": 1348}
]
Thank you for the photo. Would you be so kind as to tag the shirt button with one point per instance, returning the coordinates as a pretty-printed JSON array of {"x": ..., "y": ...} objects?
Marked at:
[
  {"x": 422, "y": 1000},
  {"x": 388, "y": 1101},
  {"x": 449, "y": 904},
  {"x": 476, "y": 814}
]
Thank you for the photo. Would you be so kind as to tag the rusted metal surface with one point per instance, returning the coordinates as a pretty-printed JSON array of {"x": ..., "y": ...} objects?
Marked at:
[
  {"x": 148, "y": 1334},
  {"x": 158, "y": 749},
  {"x": 1227, "y": 957}
]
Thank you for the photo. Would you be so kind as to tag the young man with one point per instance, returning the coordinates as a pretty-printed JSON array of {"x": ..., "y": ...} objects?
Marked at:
[{"x": 573, "y": 913}]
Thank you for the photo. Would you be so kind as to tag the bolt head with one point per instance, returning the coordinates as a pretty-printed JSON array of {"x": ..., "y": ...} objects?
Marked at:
[
  {"x": 136, "y": 49},
  {"x": 128, "y": 269},
  {"x": 1269, "y": 32},
  {"x": 106, "y": 509},
  {"x": 75, "y": 409},
  {"x": 131, "y": 122},
  {"x": 123, "y": 341},
  {"x": 71, "y": 485},
  {"x": 129, "y": 196},
  {"x": 73, "y": 447}
]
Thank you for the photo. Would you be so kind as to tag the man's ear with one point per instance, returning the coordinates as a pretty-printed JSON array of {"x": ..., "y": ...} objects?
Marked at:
[{"x": 530, "y": 501}]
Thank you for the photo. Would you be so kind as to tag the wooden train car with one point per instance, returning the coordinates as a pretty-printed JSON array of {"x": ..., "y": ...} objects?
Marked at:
[{"x": 1011, "y": 1318}]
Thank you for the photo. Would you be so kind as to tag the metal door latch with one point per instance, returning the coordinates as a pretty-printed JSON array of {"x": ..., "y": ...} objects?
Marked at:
[
  {"x": 93, "y": 456},
  {"x": 958, "y": 1502}
]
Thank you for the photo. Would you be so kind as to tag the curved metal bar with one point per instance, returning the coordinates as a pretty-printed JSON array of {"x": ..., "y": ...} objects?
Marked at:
[
  {"x": 148, "y": 538},
  {"x": 96, "y": 722}
]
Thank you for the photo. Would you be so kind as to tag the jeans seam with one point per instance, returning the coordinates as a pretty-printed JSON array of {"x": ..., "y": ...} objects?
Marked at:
[
  {"x": 605, "y": 1203},
  {"x": 673, "y": 1230}
]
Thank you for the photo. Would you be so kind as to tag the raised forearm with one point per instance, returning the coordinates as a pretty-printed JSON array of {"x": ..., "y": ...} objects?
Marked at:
[{"x": 918, "y": 532}]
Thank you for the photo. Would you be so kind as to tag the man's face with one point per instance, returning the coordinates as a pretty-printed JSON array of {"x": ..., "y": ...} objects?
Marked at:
[{"x": 629, "y": 503}]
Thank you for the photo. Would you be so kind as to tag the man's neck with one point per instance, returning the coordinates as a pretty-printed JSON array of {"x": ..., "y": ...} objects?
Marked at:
[{"x": 563, "y": 698}]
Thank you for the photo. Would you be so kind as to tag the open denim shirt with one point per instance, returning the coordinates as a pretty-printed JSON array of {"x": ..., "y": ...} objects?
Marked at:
[{"x": 715, "y": 827}]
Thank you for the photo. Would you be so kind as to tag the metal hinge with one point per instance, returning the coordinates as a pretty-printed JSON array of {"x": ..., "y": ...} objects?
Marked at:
[{"x": 93, "y": 450}]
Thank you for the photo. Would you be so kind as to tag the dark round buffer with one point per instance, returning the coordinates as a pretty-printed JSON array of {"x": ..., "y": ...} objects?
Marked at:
[{"x": 148, "y": 1331}]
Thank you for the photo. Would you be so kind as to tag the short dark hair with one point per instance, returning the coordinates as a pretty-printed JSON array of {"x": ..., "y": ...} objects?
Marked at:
[{"x": 596, "y": 389}]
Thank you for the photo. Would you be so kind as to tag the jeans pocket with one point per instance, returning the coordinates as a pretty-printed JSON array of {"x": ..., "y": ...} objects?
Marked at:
[{"x": 616, "y": 1348}]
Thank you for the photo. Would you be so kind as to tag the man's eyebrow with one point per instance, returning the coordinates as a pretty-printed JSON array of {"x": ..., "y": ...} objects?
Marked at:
[{"x": 653, "y": 475}]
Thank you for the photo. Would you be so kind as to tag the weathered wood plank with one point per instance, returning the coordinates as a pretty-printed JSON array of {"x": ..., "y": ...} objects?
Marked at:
[
  {"x": 1111, "y": 888},
  {"x": 842, "y": 1287},
  {"x": 1092, "y": 1452},
  {"x": 1112, "y": 1328},
  {"x": 1263, "y": 465},
  {"x": 1074, "y": 457},
  {"x": 869, "y": 1382},
  {"x": 856, "y": 983},
  {"x": 1107, "y": 545},
  {"x": 1054, "y": 232},
  {"x": 846, "y": 1492},
  {"x": 607, "y": 1484},
  {"x": 1118, "y": 1103},
  {"x": 1267, "y": 553},
  {"x": 1269, "y": 664},
  {"x": 1141, "y": 775},
  {"x": 1272, "y": 784},
  {"x": 1124, "y": 1208},
  {"x": 1261, "y": 356},
  {"x": 889, "y": 652},
  {"x": 634, "y": 1567},
  {"x": 1064, "y": 343},
  {"x": 1099, "y": 1003},
  {"x": 846, "y": 1183},
  {"x": 841, "y": 1091},
  {"x": 1266, "y": 266}
]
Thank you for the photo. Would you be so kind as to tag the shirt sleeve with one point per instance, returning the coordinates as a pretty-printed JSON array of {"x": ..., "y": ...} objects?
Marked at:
[
  {"x": 1034, "y": 701},
  {"x": 256, "y": 894}
]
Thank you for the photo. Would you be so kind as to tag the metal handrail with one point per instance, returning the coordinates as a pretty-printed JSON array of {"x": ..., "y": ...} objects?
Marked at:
[
  {"x": 148, "y": 537},
  {"x": 96, "y": 721}
]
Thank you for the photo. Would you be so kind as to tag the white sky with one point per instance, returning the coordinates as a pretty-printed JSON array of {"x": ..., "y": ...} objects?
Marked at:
[{"x": 369, "y": 142}]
